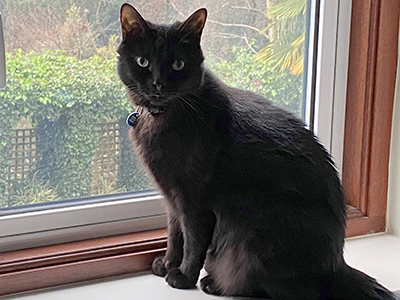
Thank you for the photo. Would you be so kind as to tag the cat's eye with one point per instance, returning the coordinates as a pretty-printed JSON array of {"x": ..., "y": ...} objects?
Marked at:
[
  {"x": 142, "y": 62},
  {"x": 178, "y": 65}
]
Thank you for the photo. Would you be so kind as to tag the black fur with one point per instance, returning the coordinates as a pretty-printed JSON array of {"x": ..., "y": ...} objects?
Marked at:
[{"x": 251, "y": 194}]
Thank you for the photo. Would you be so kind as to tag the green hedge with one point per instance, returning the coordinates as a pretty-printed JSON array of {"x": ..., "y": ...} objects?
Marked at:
[{"x": 65, "y": 98}]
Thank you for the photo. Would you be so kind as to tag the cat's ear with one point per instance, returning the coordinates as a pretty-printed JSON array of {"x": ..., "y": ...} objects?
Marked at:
[
  {"x": 195, "y": 22},
  {"x": 132, "y": 23}
]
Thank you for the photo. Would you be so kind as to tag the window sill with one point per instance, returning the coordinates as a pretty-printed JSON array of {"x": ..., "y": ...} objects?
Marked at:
[
  {"x": 378, "y": 255},
  {"x": 50, "y": 266}
]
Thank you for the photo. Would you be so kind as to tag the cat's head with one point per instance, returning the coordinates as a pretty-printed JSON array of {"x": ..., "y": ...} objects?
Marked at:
[{"x": 160, "y": 63}]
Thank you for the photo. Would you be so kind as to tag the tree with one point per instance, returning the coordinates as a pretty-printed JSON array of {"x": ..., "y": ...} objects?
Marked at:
[{"x": 287, "y": 33}]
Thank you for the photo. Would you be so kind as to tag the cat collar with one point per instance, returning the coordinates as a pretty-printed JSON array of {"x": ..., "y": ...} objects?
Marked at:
[{"x": 132, "y": 119}]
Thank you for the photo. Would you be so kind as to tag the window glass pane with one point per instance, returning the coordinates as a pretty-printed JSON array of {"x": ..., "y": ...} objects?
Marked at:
[{"x": 62, "y": 114}]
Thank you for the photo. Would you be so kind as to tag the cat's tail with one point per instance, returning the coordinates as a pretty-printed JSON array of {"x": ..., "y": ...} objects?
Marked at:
[{"x": 349, "y": 283}]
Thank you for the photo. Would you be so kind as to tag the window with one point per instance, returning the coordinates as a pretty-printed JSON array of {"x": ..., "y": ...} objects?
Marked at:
[
  {"x": 371, "y": 63},
  {"x": 66, "y": 157}
]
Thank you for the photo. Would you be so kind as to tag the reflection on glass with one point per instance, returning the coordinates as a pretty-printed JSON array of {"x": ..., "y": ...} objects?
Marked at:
[{"x": 62, "y": 128}]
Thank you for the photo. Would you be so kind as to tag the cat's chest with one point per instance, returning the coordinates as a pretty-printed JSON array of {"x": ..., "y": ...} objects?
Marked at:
[
  {"x": 151, "y": 137},
  {"x": 170, "y": 147}
]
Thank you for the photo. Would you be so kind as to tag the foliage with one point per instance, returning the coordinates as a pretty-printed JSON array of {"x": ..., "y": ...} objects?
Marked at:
[
  {"x": 59, "y": 83},
  {"x": 8, "y": 119},
  {"x": 103, "y": 186},
  {"x": 286, "y": 28},
  {"x": 33, "y": 191},
  {"x": 282, "y": 88},
  {"x": 108, "y": 51},
  {"x": 65, "y": 98},
  {"x": 65, "y": 93},
  {"x": 79, "y": 27},
  {"x": 65, "y": 104},
  {"x": 130, "y": 174},
  {"x": 76, "y": 34},
  {"x": 41, "y": 25}
]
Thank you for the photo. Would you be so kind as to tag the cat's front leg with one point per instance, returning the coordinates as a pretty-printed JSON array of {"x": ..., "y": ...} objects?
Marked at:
[
  {"x": 197, "y": 231},
  {"x": 174, "y": 254}
]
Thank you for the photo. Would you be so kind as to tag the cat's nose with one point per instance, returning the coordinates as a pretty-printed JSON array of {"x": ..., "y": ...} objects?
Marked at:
[{"x": 158, "y": 84}]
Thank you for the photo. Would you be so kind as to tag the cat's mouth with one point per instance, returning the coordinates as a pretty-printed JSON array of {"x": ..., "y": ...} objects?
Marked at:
[
  {"x": 157, "y": 99},
  {"x": 156, "y": 96}
]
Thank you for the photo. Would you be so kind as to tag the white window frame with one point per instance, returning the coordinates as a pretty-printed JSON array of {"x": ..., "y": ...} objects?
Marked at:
[
  {"x": 133, "y": 214},
  {"x": 331, "y": 76},
  {"x": 393, "y": 210},
  {"x": 78, "y": 222}
]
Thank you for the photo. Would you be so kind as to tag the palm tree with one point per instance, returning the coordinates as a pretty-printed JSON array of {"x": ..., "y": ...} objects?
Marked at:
[{"x": 286, "y": 30}]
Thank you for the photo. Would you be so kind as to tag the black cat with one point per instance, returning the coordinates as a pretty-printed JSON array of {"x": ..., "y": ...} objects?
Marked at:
[{"x": 251, "y": 194}]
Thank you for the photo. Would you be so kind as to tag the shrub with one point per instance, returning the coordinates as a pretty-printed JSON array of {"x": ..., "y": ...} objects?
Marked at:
[
  {"x": 65, "y": 98},
  {"x": 281, "y": 87}
]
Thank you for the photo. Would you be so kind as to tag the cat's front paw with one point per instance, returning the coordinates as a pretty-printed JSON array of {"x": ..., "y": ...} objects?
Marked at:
[
  {"x": 158, "y": 268},
  {"x": 176, "y": 279}
]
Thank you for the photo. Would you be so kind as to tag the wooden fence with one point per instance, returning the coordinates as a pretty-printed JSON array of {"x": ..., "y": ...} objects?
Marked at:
[
  {"x": 23, "y": 154},
  {"x": 105, "y": 165}
]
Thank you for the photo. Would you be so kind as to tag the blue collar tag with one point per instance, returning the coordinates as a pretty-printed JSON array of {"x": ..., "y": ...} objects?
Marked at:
[{"x": 132, "y": 119}]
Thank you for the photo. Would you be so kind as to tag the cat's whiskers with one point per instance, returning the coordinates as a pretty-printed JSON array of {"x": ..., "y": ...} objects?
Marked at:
[
  {"x": 186, "y": 111},
  {"x": 199, "y": 114},
  {"x": 187, "y": 102},
  {"x": 181, "y": 104}
]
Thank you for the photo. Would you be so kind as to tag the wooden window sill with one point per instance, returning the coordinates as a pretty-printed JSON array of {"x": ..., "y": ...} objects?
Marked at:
[
  {"x": 93, "y": 259},
  {"x": 49, "y": 266},
  {"x": 384, "y": 249},
  {"x": 359, "y": 223}
]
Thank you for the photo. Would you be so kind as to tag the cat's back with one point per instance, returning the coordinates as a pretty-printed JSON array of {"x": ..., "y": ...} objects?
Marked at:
[
  {"x": 252, "y": 118},
  {"x": 257, "y": 123},
  {"x": 269, "y": 145}
]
